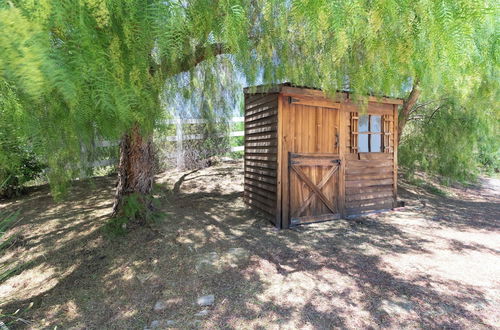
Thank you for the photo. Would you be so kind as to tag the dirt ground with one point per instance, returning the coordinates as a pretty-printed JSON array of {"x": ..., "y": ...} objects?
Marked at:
[{"x": 434, "y": 264}]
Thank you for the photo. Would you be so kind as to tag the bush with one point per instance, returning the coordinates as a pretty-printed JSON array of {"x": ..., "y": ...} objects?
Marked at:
[
  {"x": 22, "y": 167},
  {"x": 453, "y": 141},
  {"x": 18, "y": 160}
]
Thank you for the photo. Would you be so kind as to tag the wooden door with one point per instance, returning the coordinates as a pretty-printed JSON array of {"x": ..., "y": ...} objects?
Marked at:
[
  {"x": 311, "y": 150},
  {"x": 314, "y": 187}
]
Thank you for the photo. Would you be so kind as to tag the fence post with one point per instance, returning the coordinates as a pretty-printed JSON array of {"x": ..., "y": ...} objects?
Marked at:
[
  {"x": 179, "y": 153},
  {"x": 179, "y": 147}
]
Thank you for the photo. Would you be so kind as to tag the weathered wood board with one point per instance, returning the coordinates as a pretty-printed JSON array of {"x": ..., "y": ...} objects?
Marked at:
[{"x": 302, "y": 155}]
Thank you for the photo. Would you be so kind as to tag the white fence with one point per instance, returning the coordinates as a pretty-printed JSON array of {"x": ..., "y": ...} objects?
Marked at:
[{"x": 174, "y": 138}]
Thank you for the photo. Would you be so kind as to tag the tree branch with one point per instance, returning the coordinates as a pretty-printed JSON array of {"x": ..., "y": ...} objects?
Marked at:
[
  {"x": 408, "y": 104},
  {"x": 201, "y": 54},
  {"x": 433, "y": 113}
]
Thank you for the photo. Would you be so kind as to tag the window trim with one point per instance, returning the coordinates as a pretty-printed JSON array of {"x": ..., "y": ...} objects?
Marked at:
[{"x": 369, "y": 133}]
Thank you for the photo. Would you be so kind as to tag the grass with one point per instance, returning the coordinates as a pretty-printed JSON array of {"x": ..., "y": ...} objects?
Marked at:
[
  {"x": 426, "y": 185},
  {"x": 420, "y": 267}
]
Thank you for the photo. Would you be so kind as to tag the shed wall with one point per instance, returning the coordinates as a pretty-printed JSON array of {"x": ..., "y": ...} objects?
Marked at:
[
  {"x": 288, "y": 119},
  {"x": 261, "y": 141},
  {"x": 369, "y": 177}
]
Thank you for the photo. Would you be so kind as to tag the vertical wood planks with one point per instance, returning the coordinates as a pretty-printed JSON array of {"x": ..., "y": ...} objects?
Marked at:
[
  {"x": 279, "y": 221},
  {"x": 296, "y": 120},
  {"x": 287, "y": 139},
  {"x": 342, "y": 148},
  {"x": 306, "y": 129}
]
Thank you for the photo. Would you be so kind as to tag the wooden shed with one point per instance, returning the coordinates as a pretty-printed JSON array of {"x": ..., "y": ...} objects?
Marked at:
[{"x": 311, "y": 158}]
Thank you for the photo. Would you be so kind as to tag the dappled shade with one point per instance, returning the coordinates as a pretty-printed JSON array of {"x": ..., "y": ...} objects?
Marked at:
[{"x": 432, "y": 265}]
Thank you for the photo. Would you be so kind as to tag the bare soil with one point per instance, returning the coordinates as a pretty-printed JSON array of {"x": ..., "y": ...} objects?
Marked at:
[{"x": 433, "y": 264}]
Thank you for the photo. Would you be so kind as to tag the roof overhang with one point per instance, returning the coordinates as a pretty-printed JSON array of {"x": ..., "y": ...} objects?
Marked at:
[{"x": 293, "y": 90}]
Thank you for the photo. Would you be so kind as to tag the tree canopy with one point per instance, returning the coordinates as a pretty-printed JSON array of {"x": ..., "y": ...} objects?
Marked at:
[{"x": 87, "y": 69}]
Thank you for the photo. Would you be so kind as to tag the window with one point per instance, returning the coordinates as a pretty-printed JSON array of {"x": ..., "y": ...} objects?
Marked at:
[{"x": 370, "y": 133}]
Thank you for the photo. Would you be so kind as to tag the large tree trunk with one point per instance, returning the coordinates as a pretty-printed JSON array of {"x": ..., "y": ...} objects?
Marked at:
[
  {"x": 135, "y": 177},
  {"x": 408, "y": 104}
]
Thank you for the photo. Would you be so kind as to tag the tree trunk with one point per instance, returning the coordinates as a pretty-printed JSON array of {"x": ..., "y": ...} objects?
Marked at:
[
  {"x": 408, "y": 104},
  {"x": 135, "y": 177}
]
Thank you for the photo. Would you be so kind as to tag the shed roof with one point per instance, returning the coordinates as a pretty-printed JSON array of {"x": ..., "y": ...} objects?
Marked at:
[{"x": 289, "y": 88}]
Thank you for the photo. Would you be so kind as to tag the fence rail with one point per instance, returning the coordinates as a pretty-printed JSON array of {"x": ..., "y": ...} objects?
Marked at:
[
  {"x": 174, "y": 138},
  {"x": 197, "y": 120}
]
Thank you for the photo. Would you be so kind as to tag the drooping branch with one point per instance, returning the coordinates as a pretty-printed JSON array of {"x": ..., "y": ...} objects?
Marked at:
[
  {"x": 201, "y": 53},
  {"x": 408, "y": 105}
]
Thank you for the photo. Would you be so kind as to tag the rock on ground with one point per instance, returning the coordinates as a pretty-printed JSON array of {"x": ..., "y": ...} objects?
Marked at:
[
  {"x": 213, "y": 262},
  {"x": 159, "y": 306},
  {"x": 207, "y": 300}
]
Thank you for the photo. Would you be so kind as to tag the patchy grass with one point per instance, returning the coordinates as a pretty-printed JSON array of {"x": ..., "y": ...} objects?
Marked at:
[
  {"x": 432, "y": 188},
  {"x": 432, "y": 265}
]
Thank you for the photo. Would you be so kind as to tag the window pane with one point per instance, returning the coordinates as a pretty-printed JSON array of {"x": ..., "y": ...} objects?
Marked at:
[
  {"x": 362, "y": 142},
  {"x": 363, "y": 123},
  {"x": 375, "y": 123},
  {"x": 376, "y": 143}
]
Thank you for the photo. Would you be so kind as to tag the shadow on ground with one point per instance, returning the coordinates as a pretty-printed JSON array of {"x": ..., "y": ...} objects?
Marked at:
[{"x": 417, "y": 267}]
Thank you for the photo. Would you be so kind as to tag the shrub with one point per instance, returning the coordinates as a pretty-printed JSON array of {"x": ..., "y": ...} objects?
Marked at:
[
  {"x": 18, "y": 160},
  {"x": 452, "y": 141}
]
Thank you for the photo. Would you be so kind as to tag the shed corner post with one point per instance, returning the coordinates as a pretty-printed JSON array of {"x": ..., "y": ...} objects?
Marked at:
[
  {"x": 342, "y": 151},
  {"x": 279, "y": 217},
  {"x": 283, "y": 161},
  {"x": 395, "y": 151}
]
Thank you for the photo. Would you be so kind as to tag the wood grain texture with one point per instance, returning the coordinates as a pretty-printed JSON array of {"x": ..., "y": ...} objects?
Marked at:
[
  {"x": 293, "y": 121},
  {"x": 395, "y": 151},
  {"x": 260, "y": 159},
  {"x": 314, "y": 133},
  {"x": 278, "y": 216}
]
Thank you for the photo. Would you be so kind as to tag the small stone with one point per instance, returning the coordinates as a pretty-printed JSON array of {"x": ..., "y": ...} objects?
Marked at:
[
  {"x": 159, "y": 306},
  {"x": 202, "y": 313},
  {"x": 154, "y": 324},
  {"x": 206, "y": 300},
  {"x": 170, "y": 323}
]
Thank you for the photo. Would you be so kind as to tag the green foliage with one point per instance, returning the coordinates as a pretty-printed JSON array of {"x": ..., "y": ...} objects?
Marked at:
[
  {"x": 88, "y": 70},
  {"x": 19, "y": 162},
  {"x": 452, "y": 140},
  {"x": 135, "y": 210},
  {"x": 132, "y": 209},
  {"x": 425, "y": 185},
  {"x": 237, "y": 154}
]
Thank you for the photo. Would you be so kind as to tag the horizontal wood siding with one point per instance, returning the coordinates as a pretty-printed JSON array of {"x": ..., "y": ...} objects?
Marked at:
[
  {"x": 369, "y": 182},
  {"x": 369, "y": 177},
  {"x": 261, "y": 122}
]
